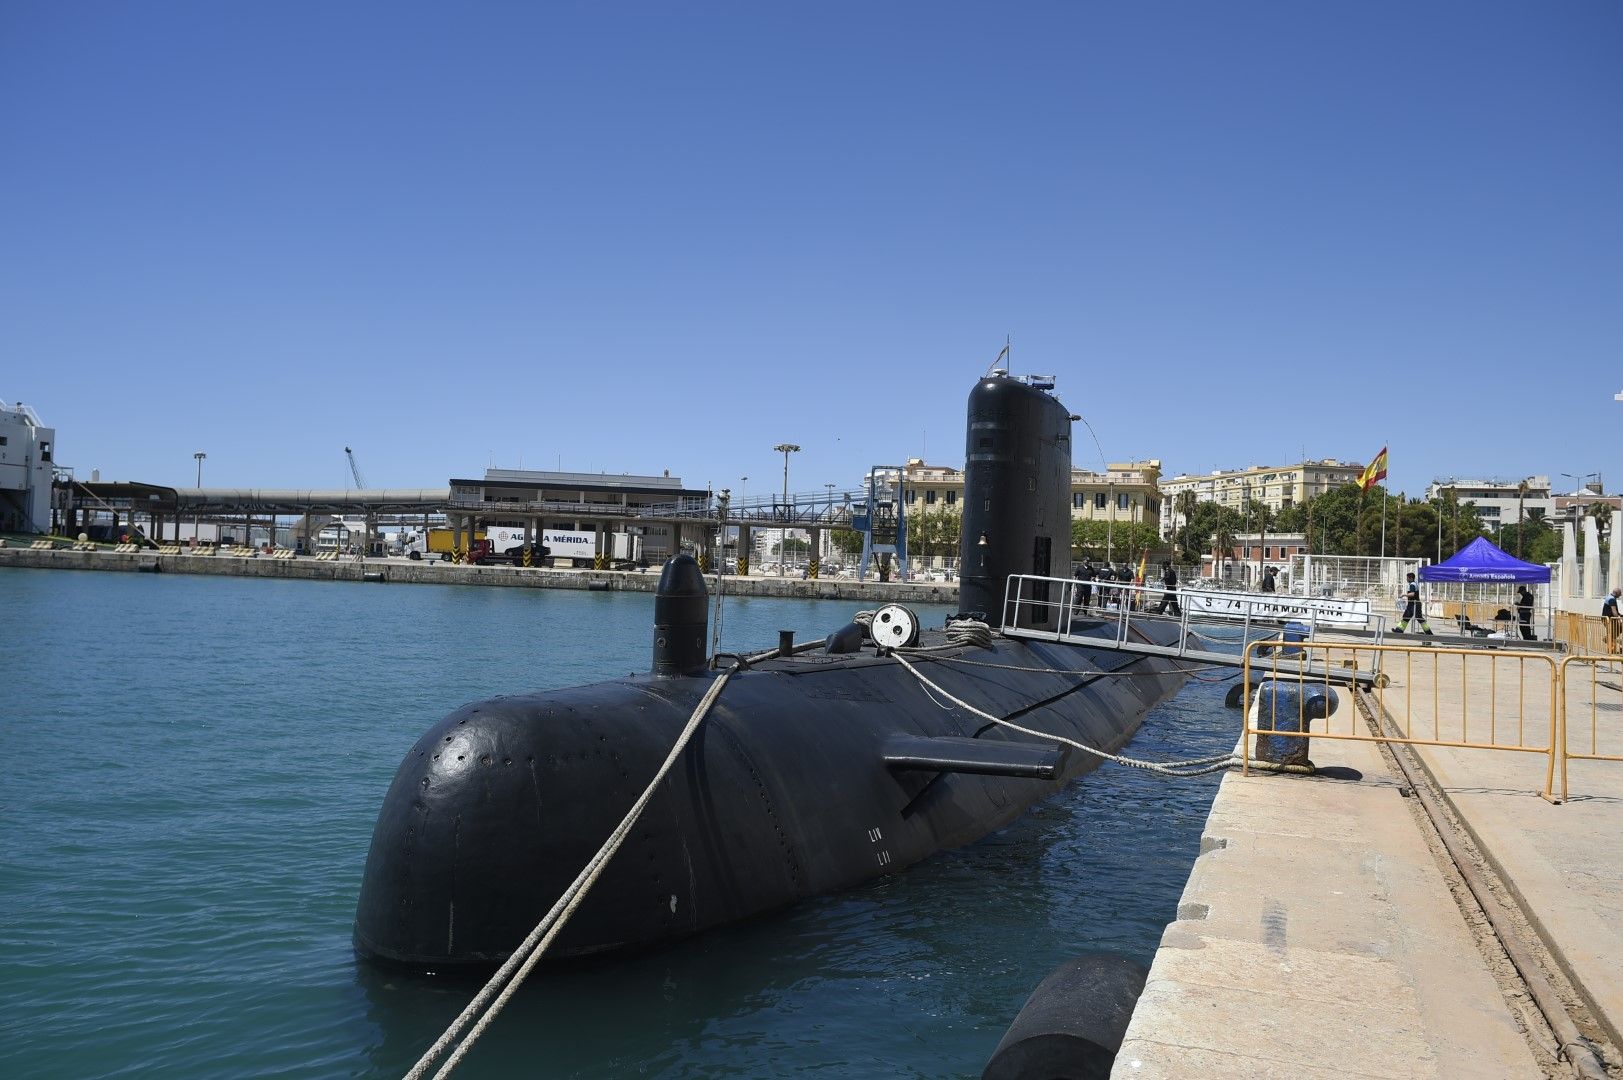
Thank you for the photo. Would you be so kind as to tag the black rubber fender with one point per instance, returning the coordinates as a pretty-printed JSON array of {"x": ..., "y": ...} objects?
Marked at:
[{"x": 1073, "y": 1023}]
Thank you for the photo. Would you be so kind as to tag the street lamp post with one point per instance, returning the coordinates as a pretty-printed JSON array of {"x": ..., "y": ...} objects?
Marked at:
[
  {"x": 742, "y": 481},
  {"x": 783, "y": 539},
  {"x": 1578, "y": 479},
  {"x": 828, "y": 533},
  {"x": 197, "y": 510},
  {"x": 1110, "y": 525}
]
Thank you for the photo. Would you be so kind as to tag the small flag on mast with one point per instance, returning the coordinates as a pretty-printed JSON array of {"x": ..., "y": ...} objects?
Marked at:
[{"x": 1374, "y": 473}]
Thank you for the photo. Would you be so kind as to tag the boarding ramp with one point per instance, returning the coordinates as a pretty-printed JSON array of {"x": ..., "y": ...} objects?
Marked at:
[{"x": 1073, "y": 612}]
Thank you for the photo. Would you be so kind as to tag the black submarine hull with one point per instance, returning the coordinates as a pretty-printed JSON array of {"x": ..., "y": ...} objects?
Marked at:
[
  {"x": 798, "y": 783},
  {"x": 812, "y": 773}
]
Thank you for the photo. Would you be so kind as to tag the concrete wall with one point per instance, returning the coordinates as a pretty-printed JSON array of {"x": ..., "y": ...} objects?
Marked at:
[{"x": 402, "y": 571}]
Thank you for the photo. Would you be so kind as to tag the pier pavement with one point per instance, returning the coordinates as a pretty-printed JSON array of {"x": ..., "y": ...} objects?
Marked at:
[{"x": 1319, "y": 934}]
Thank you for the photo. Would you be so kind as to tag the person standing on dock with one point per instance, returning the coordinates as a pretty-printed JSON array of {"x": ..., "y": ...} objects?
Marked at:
[
  {"x": 1169, "y": 592},
  {"x": 1085, "y": 575},
  {"x": 1614, "y": 621},
  {"x": 1524, "y": 612},
  {"x": 1412, "y": 609},
  {"x": 1268, "y": 579}
]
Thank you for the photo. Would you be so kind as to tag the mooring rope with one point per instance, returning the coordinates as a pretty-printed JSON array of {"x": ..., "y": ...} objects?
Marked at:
[
  {"x": 499, "y": 990},
  {"x": 1189, "y": 768},
  {"x": 496, "y": 993}
]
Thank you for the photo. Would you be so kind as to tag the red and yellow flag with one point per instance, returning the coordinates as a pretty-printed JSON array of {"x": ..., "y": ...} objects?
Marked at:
[{"x": 1374, "y": 473}]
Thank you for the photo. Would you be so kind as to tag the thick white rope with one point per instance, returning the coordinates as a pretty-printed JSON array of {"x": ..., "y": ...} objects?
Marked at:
[{"x": 512, "y": 974}]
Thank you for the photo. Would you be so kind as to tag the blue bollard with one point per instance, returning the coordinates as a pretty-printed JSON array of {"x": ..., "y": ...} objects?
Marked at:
[
  {"x": 1295, "y": 633},
  {"x": 1289, "y": 707}
]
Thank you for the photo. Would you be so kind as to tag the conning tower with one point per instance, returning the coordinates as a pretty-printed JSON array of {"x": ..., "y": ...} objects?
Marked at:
[{"x": 1017, "y": 494}]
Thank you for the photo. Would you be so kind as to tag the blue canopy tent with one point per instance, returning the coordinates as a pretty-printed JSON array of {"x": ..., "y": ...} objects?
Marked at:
[{"x": 1481, "y": 561}]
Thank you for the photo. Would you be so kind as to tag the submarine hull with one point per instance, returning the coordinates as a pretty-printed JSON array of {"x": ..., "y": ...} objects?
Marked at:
[
  {"x": 789, "y": 789},
  {"x": 811, "y": 773}
]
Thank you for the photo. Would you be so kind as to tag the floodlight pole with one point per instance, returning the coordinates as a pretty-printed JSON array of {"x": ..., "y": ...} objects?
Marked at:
[{"x": 783, "y": 537}]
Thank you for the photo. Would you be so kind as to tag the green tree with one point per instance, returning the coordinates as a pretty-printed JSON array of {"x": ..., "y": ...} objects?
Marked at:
[
  {"x": 847, "y": 542},
  {"x": 1226, "y": 527},
  {"x": 1262, "y": 516},
  {"x": 934, "y": 533},
  {"x": 1602, "y": 513},
  {"x": 1184, "y": 506}
]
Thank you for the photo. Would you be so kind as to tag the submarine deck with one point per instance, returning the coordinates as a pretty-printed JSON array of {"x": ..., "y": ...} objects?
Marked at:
[{"x": 1324, "y": 931}]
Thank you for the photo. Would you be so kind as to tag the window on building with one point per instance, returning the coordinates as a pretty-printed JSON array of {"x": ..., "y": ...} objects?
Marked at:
[
  {"x": 1099, "y": 500},
  {"x": 952, "y": 497},
  {"x": 2, "y": 440},
  {"x": 929, "y": 497},
  {"x": 912, "y": 496},
  {"x": 45, "y": 451},
  {"x": 1121, "y": 501},
  {"x": 1079, "y": 500}
]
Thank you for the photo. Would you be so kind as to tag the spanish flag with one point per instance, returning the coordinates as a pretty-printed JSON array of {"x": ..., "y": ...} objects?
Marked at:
[
  {"x": 1142, "y": 560},
  {"x": 1374, "y": 473}
]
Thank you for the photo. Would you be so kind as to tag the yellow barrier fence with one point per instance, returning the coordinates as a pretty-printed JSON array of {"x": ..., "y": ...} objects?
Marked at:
[
  {"x": 1591, "y": 711},
  {"x": 1582, "y": 634},
  {"x": 1477, "y": 699}
]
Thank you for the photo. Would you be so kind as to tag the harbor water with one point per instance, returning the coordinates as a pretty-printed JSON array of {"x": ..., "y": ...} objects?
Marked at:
[{"x": 196, "y": 763}]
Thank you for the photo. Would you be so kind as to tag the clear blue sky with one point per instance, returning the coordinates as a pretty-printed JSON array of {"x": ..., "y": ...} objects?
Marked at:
[{"x": 633, "y": 237}]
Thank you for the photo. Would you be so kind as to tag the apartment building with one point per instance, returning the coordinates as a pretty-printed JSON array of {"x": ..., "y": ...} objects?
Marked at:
[
  {"x": 1275, "y": 486},
  {"x": 1500, "y": 501}
]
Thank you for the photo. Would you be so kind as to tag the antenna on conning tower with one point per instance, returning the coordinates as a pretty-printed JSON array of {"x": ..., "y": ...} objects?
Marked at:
[
  {"x": 360, "y": 484},
  {"x": 1002, "y": 356}
]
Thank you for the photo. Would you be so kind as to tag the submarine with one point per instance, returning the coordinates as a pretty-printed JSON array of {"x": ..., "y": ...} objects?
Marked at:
[{"x": 814, "y": 769}]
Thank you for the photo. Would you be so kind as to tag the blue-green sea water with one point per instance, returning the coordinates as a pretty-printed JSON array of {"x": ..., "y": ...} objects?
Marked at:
[{"x": 193, "y": 765}]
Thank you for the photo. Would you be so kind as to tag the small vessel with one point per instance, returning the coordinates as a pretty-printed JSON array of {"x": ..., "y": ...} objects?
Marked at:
[{"x": 814, "y": 769}]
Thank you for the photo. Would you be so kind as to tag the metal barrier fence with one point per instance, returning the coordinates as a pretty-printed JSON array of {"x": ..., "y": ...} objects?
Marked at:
[
  {"x": 1582, "y": 634},
  {"x": 1591, "y": 711},
  {"x": 1478, "y": 699}
]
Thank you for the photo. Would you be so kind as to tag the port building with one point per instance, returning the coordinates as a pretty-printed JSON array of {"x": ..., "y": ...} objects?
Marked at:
[{"x": 26, "y": 470}]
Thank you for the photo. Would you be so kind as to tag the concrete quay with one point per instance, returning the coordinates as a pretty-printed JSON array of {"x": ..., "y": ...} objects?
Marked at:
[
  {"x": 405, "y": 571},
  {"x": 1324, "y": 931}
]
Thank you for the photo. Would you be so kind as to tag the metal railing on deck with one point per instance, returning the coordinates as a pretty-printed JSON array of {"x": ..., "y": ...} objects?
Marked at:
[
  {"x": 1038, "y": 603},
  {"x": 1055, "y": 609},
  {"x": 1431, "y": 695}
]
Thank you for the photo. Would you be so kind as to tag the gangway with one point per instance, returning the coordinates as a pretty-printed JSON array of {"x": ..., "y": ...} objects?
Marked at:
[{"x": 1030, "y": 610}]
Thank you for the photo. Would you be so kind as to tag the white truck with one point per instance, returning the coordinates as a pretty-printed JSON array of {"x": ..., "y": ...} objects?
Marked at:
[{"x": 505, "y": 543}]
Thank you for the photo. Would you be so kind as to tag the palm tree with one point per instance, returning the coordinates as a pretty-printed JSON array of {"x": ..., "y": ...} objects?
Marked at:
[
  {"x": 1602, "y": 513},
  {"x": 1223, "y": 538},
  {"x": 1184, "y": 505},
  {"x": 1265, "y": 515}
]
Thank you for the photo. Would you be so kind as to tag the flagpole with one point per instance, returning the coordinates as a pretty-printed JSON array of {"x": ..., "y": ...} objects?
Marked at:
[{"x": 1384, "y": 446}]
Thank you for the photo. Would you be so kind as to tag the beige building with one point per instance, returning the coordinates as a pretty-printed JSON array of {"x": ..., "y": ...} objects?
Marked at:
[
  {"x": 928, "y": 487},
  {"x": 1276, "y": 486},
  {"x": 1126, "y": 491}
]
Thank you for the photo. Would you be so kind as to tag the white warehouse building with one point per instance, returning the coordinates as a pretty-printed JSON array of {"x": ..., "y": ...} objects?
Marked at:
[{"x": 25, "y": 470}]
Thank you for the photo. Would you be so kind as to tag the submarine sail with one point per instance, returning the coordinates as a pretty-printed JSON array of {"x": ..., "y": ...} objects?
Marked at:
[{"x": 812, "y": 772}]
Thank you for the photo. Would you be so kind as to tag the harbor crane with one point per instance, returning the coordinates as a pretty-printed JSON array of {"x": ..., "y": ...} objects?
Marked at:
[{"x": 355, "y": 470}]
